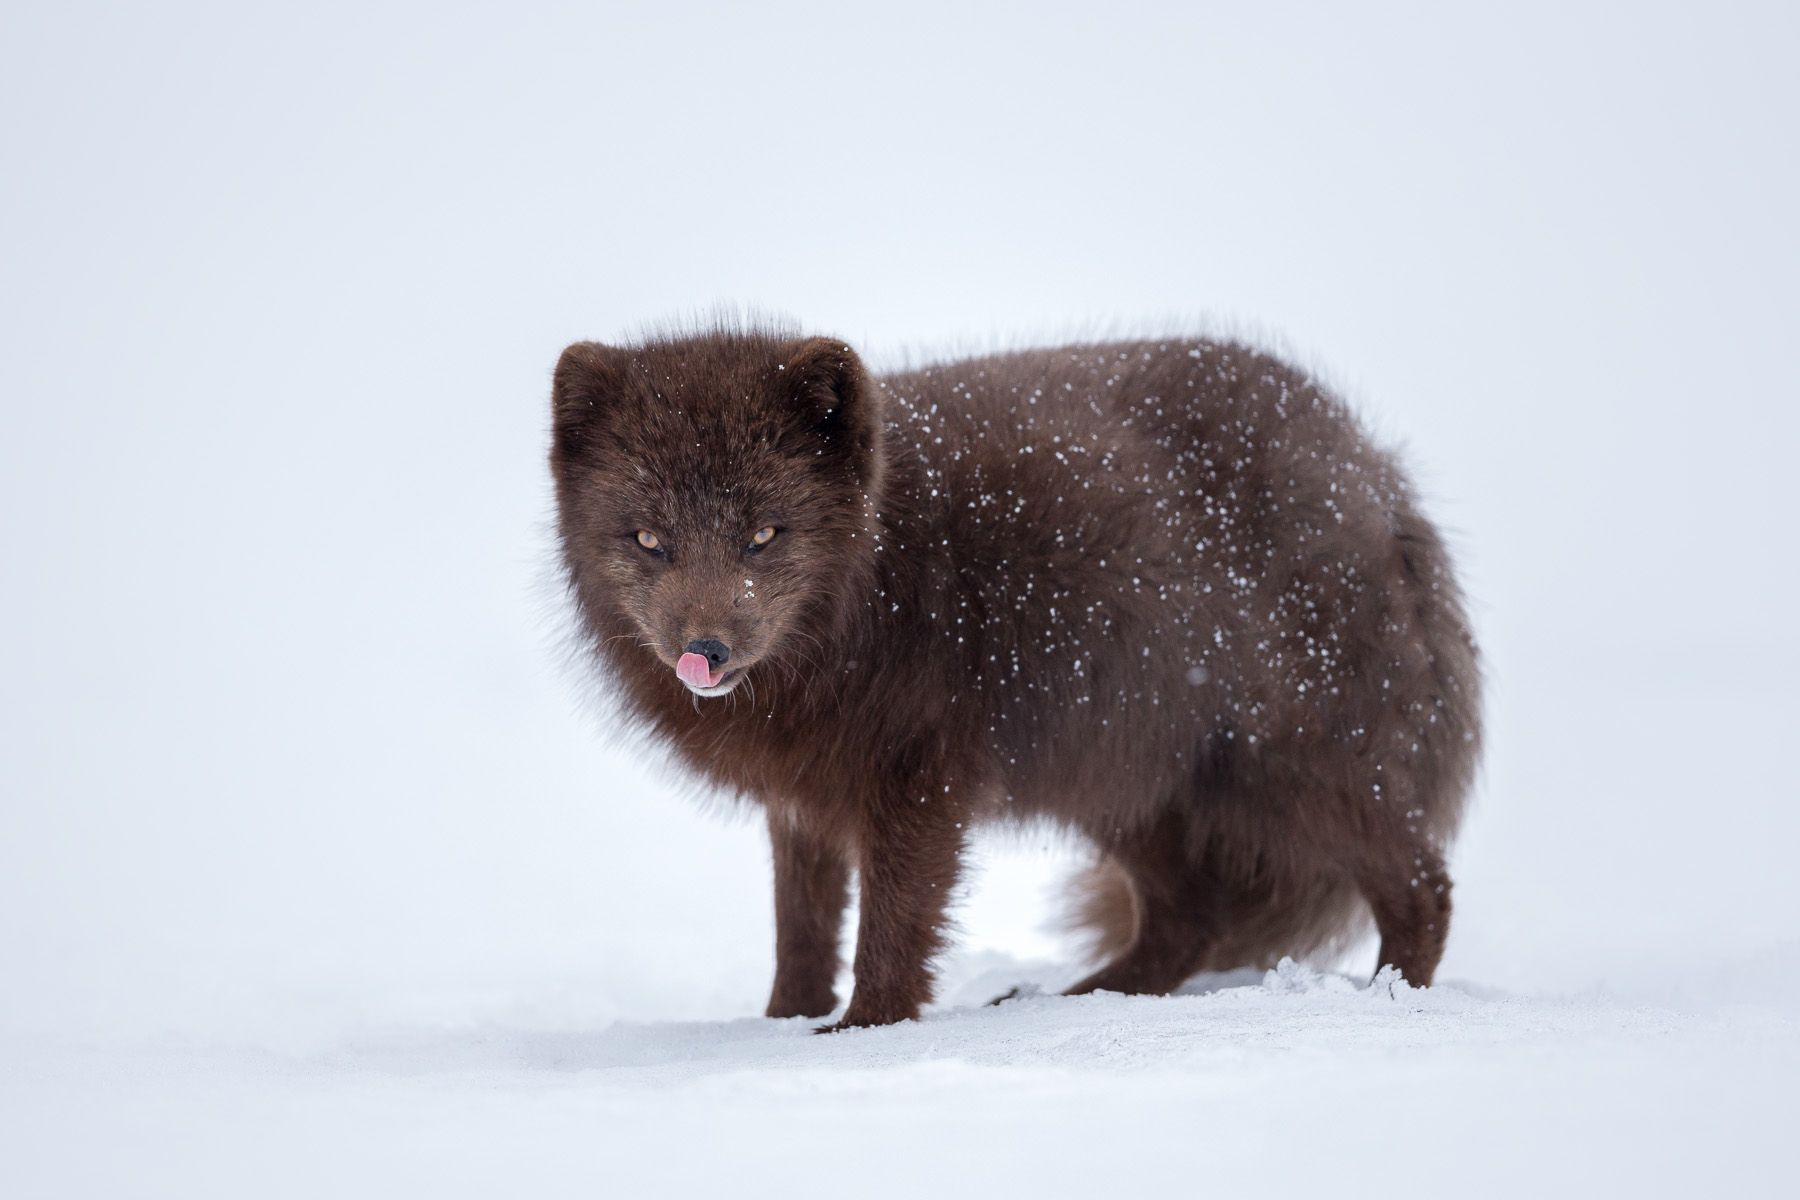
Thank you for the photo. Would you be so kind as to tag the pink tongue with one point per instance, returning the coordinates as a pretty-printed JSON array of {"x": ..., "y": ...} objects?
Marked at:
[{"x": 695, "y": 671}]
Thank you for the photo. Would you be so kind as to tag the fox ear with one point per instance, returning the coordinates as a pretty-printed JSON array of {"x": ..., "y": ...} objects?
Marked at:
[
  {"x": 586, "y": 375},
  {"x": 840, "y": 403}
]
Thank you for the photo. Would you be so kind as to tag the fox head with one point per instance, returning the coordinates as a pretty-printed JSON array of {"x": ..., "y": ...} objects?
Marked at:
[{"x": 716, "y": 496}]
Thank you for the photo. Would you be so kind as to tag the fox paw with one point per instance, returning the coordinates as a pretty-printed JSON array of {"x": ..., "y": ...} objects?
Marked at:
[
  {"x": 1018, "y": 991},
  {"x": 857, "y": 1018}
]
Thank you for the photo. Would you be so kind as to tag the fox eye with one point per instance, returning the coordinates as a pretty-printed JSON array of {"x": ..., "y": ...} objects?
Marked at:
[
  {"x": 763, "y": 537},
  {"x": 648, "y": 540}
]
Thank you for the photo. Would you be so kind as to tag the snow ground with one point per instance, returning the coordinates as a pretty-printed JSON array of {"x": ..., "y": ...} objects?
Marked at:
[{"x": 1299, "y": 1083}]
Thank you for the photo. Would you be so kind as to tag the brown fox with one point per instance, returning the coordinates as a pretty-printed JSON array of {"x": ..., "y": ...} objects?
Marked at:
[{"x": 1164, "y": 593}]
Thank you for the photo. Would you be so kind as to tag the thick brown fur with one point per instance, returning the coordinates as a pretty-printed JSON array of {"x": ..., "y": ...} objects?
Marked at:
[{"x": 1164, "y": 593}]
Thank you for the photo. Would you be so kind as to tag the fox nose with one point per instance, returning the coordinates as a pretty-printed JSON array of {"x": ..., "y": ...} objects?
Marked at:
[{"x": 717, "y": 653}]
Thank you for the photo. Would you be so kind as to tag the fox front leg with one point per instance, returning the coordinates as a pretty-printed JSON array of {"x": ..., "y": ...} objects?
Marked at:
[
  {"x": 811, "y": 892},
  {"x": 909, "y": 861}
]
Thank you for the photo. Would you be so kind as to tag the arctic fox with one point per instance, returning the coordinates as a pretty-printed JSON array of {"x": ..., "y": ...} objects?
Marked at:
[{"x": 1165, "y": 593}]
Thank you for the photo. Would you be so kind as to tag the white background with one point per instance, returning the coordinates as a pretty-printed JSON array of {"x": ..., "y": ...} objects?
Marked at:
[{"x": 290, "y": 747}]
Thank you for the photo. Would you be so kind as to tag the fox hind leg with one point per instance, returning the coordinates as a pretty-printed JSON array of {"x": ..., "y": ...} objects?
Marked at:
[
  {"x": 1174, "y": 906},
  {"x": 1410, "y": 899}
]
